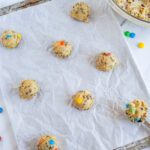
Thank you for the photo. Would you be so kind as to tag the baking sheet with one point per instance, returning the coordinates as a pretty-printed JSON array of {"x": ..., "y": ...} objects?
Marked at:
[
  {"x": 4, "y": 3},
  {"x": 104, "y": 126}
]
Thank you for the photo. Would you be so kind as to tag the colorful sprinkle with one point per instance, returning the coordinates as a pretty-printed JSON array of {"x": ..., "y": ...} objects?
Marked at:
[
  {"x": 51, "y": 142},
  {"x": 141, "y": 45},
  {"x": 127, "y": 33},
  {"x": 1, "y": 109},
  {"x": 132, "y": 35}
]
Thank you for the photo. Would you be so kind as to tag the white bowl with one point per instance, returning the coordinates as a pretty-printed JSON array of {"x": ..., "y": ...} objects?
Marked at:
[{"x": 128, "y": 16}]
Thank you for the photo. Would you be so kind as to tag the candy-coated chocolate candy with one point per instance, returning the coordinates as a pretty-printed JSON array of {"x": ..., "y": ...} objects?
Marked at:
[
  {"x": 132, "y": 35},
  {"x": 137, "y": 110},
  {"x": 79, "y": 100},
  {"x": 141, "y": 45},
  {"x": 127, "y": 34},
  {"x": 51, "y": 142},
  {"x": 1, "y": 109},
  {"x": 127, "y": 105},
  {"x": 8, "y": 36}
]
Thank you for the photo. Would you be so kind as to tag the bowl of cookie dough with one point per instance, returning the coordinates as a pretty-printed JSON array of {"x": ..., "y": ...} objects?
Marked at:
[{"x": 136, "y": 11}]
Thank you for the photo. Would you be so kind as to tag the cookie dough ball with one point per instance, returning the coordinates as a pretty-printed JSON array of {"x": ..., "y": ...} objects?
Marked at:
[
  {"x": 47, "y": 143},
  {"x": 28, "y": 89},
  {"x": 83, "y": 100},
  {"x": 137, "y": 110},
  {"x": 81, "y": 11},
  {"x": 62, "y": 49},
  {"x": 10, "y": 39},
  {"x": 106, "y": 61}
]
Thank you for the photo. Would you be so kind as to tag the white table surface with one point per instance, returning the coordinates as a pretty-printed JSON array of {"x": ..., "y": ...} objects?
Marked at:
[{"x": 140, "y": 56}]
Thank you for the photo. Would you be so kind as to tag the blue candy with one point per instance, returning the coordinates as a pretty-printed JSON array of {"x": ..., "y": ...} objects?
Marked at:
[
  {"x": 1, "y": 109},
  {"x": 127, "y": 105},
  {"x": 137, "y": 120},
  {"x": 51, "y": 142},
  {"x": 132, "y": 35},
  {"x": 8, "y": 36}
]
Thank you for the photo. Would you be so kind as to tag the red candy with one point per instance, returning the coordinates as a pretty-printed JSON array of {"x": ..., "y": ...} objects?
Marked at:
[{"x": 107, "y": 54}]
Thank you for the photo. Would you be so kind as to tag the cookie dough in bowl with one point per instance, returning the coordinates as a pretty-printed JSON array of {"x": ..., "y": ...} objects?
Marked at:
[
  {"x": 137, "y": 110},
  {"x": 10, "y": 39},
  {"x": 28, "y": 89},
  {"x": 47, "y": 142},
  {"x": 81, "y": 11},
  {"x": 83, "y": 100},
  {"x": 138, "y": 8},
  {"x": 106, "y": 61},
  {"x": 62, "y": 49}
]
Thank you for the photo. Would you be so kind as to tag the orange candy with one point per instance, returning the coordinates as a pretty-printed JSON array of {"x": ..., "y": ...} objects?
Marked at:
[{"x": 62, "y": 43}]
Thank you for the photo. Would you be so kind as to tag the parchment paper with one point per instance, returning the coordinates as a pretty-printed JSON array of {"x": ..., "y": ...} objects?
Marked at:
[{"x": 104, "y": 127}]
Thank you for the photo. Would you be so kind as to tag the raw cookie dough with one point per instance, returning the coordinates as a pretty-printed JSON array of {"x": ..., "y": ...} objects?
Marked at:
[
  {"x": 47, "y": 143},
  {"x": 81, "y": 11},
  {"x": 10, "y": 39},
  {"x": 62, "y": 49},
  {"x": 28, "y": 89},
  {"x": 137, "y": 110},
  {"x": 137, "y": 8},
  {"x": 83, "y": 100},
  {"x": 106, "y": 61}
]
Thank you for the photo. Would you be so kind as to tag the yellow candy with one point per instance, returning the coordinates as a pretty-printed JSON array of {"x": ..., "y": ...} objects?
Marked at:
[
  {"x": 79, "y": 100},
  {"x": 141, "y": 45},
  {"x": 19, "y": 36}
]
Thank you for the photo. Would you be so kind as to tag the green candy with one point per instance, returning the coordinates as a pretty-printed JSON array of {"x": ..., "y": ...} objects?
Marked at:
[
  {"x": 133, "y": 110},
  {"x": 127, "y": 34}
]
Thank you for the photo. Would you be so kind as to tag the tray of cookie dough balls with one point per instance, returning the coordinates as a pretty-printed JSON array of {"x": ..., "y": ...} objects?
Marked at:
[{"x": 68, "y": 79}]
